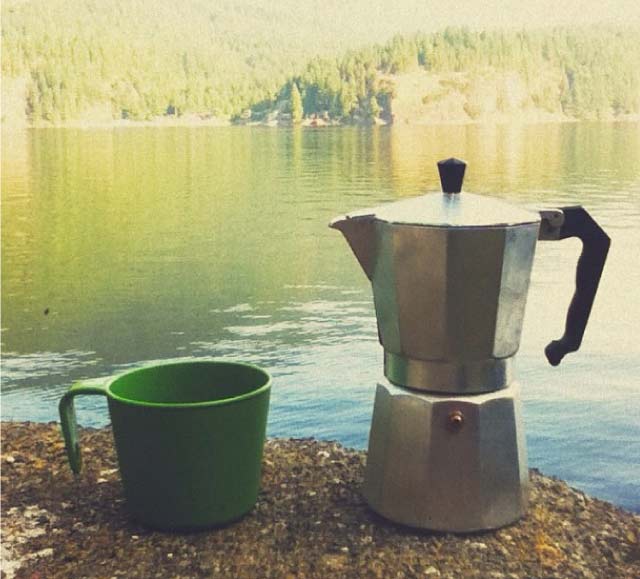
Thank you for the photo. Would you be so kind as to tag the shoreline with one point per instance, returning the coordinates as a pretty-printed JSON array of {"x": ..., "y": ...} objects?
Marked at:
[
  {"x": 310, "y": 521},
  {"x": 194, "y": 122}
]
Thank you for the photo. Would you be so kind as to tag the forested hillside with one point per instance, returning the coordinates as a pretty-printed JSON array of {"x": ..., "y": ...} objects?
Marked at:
[
  {"x": 577, "y": 73},
  {"x": 97, "y": 60}
]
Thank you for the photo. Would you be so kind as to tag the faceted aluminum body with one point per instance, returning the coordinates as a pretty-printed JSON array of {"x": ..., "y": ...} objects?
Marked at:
[
  {"x": 426, "y": 471},
  {"x": 450, "y": 275},
  {"x": 450, "y": 303}
]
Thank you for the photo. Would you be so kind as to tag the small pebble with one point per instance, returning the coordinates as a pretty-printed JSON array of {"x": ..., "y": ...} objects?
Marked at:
[{"x": 477, "y": 545}]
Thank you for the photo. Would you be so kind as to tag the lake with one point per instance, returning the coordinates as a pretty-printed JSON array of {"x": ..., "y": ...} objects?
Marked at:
[{"x": 127, "y": 246}]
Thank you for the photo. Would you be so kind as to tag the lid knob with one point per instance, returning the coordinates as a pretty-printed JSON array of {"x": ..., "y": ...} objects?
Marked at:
[{"x": 451, "y": 174}]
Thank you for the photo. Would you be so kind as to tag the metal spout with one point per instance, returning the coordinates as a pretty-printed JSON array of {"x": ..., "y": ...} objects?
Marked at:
[{"x": 360, "y": 234}]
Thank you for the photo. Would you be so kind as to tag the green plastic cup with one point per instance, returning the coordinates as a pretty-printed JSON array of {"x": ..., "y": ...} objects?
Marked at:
[{"x": 189, "y": 438}]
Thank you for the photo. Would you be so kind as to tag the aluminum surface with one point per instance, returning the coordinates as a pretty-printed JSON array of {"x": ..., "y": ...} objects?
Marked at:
[
  {"x": 449, "y": 210},
  {"x": 447, "y": 463},
  {"x": 447, "y": 295},
  {"x": 486, "y": 375}
]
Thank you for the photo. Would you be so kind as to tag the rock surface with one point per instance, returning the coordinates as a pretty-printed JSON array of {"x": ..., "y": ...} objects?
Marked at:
[{"x": 310, "y": 521}]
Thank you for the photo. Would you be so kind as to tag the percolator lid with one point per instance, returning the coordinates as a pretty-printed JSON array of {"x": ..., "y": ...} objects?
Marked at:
[{"x": 450, "y": 208}]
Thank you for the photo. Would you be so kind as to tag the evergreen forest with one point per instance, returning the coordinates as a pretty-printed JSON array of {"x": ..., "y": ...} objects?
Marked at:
[{"x": 118, "y": 59}]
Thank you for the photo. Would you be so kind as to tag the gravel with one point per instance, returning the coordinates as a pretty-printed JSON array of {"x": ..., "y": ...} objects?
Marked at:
[{"x": 310, "y": 521}]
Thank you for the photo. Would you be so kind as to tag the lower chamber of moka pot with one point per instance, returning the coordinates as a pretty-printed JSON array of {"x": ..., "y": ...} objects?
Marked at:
[{"x": 447, "y": 463}]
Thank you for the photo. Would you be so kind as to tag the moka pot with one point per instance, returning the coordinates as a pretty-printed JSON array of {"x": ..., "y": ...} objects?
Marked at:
[{"x": 450, "y": 274}]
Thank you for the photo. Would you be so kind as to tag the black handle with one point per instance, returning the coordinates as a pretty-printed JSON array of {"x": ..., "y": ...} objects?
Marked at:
[{"x": 595, "y": 246}]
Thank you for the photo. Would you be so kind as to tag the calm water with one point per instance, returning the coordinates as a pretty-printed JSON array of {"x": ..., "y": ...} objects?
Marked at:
[{"x": 154, "y": 244}]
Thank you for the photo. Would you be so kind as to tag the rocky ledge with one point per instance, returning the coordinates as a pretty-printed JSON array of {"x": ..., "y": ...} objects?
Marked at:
[{"x": 310, "y": 521}]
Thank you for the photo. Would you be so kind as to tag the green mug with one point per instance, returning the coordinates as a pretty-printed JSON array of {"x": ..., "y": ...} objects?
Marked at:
[{"x": 189, "y": 438}]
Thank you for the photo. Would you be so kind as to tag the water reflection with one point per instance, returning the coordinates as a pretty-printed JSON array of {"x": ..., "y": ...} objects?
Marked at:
[{"x": 153, "y": 244}]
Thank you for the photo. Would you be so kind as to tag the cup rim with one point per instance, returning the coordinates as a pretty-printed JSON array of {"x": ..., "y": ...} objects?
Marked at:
[{"x": 178, "y": 405}]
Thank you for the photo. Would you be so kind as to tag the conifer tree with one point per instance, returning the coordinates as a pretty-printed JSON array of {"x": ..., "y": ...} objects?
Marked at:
[{"x": 297, "y": 111}]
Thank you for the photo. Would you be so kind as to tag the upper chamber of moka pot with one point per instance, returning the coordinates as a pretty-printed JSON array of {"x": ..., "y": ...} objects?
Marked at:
[{"x": 450, "y": 273}]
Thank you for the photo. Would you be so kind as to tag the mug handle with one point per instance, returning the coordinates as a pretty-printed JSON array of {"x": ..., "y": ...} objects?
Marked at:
[{"x": 68, "y": 420}]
